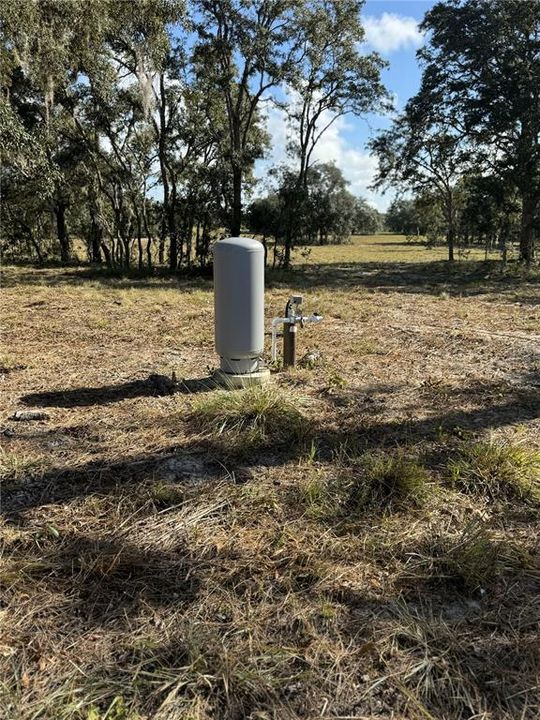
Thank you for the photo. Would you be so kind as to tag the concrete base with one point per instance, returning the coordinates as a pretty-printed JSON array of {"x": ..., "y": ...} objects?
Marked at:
[{"x": 231, "y": 381}]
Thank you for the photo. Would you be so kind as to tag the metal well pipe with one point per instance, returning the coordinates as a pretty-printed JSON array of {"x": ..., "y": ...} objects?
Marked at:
[{"x": 289, "y": 344}]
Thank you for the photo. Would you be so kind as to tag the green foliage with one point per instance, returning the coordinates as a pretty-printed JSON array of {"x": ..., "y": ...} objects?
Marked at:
[
  {"x": 367, "y": 220},
  {"x": 101, "y": 102},
  {"x": 497, "y": 471},
  {"x": 482, "y": 70},
  {"x": 403, "y": 217},
  {"x": 325, "y": 211}
]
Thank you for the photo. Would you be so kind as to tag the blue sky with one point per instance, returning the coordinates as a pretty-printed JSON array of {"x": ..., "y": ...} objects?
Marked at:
[{"x": 392, "y": 30}]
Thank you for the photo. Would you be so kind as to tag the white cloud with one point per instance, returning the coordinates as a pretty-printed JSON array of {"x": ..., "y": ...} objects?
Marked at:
[
  {"x": 358, "y": 167},
  {"x": 390, "y": 32}
]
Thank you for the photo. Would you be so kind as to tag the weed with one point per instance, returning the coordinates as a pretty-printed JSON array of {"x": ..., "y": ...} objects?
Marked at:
[{"x": 497, "y": 471}]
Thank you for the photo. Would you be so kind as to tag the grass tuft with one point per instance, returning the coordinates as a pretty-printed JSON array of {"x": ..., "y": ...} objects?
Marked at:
[
  {"x": 477, "y": 559},
  {"x": 391, "y": 480},
  {"x": 244, "y": 421},
  {"x": 497, "y": 471},
  {"x": 472, "y": 560},
  {"x": 372, "y": 481}
]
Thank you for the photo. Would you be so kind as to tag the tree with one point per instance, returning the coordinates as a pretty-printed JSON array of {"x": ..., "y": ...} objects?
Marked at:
[
  {"x": 244, "y": 48},
  {"x": 367, "y": 220},
  {"x": 43, "y": 48},
  {"x": 482, "y": 69},
  {"x": 331, "y": 79},
  {"x": 402, "y": 217},
  {"x": 264, "y": 218},
  {"x": 328, "y": 215},
  {"x": 142, "y": 50},
  {"x": 423, "y": 152}
]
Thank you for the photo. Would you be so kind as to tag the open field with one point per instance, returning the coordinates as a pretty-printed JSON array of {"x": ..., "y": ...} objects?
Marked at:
[{"x": 359, "y": 542}]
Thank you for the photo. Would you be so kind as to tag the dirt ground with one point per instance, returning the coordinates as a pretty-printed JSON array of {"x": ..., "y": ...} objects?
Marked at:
[{"x": 152, "y": 568}]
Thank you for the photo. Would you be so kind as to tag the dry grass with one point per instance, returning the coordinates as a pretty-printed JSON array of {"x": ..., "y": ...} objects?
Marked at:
[{"x": 374, "y": 551}]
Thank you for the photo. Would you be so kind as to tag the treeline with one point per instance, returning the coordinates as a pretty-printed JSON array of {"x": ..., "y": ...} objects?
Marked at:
[
  {"x": 325, "y": 211},
  {"x": 135, "y": 126},
  {"x": 486, "y": 214},
  {"x": 467, "y": 145}
]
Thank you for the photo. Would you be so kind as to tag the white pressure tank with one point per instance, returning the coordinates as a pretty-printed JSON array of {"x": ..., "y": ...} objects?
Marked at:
[{"x": 239, "y": 304}]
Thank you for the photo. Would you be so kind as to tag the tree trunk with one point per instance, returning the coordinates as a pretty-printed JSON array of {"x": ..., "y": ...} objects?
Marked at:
[
  {"x": 189, "y": 236},
  {"x": 62, "y": 232},
  {"x": 140, "y": 246},
  {"x": 35, "y": 245},
  {"x": 95, "y": 242},
  {"x": 527, "y": 230},
  {"x": 107, "y": 253},
  {"x": 148, "y": 236},
  {"x": 450, "y": 240},
  {"x": 287, "y": 256},
  {"x": 236, "y": 210},
  {"x": 161, "y": 246},
  {"x": 451, "y": 231},
  {"x": 127, "y": 252},
  {"x": 119, "y": 252},
  {"x": 173, "y": 235}
]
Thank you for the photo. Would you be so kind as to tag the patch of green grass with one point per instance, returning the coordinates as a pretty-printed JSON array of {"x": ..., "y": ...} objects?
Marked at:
[
  {"x": 497, "y": 471},
  {"x": 374, "y": 480},
  {"x": 249, "y": 420},
  {"x": 15, "y": 467},
  {"x": 388, "y": 480}
]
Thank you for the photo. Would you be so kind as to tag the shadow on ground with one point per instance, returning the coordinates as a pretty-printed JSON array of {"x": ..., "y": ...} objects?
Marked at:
[
  {"x": 152, "y": 386},
  {"x": 467, "y": 277},
  {"x": 110, "y": 578},
  {"x": 359, "y": 429}
]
